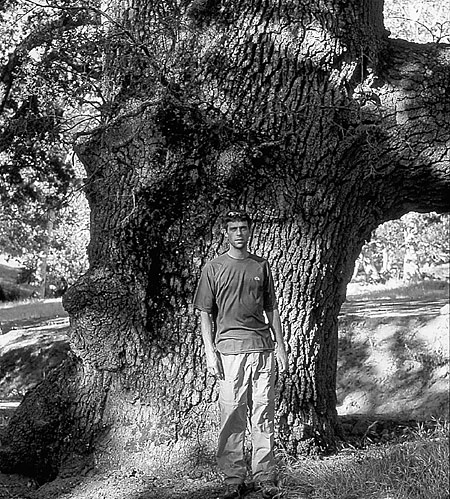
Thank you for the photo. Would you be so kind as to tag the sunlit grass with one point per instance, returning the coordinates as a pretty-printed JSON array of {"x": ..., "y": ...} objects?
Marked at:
[
  {"x": 397, "y": 289},
  {"x": 31, "y": 309},
  {"x": 417, "y": 468}
]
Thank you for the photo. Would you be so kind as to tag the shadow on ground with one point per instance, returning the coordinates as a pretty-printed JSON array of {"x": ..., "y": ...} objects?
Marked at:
[
  {"x": 28, "y": 354},
  {"x": 393, "y": 359}
]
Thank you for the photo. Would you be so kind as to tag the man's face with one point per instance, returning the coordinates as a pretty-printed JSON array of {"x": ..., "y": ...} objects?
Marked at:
[{"x": 238, "y": 234}]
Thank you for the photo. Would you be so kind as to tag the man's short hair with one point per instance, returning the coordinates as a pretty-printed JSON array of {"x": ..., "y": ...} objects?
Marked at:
[{"x": 236, "y": 216}]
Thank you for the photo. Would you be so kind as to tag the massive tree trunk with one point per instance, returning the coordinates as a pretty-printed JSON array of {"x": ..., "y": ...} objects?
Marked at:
[{"x": 304, "y": 114}]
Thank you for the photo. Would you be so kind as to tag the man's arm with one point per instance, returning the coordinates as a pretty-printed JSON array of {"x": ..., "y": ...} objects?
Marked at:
[
  {"x": 213, "y": 362},
  {"x": 275, "y": 324}
]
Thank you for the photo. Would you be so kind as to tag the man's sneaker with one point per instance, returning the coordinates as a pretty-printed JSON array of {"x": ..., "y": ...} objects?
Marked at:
[
  {"x": 234, "y": 491},
  {"x": 269, "y": 490}
]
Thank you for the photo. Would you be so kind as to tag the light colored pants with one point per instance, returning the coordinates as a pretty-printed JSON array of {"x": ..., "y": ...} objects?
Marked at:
[{"x": 249, "y": 383}]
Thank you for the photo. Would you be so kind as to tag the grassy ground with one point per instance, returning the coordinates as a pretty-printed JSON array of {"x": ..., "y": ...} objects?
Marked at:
[
  {"x": 411, "y": 466},
  {"x": 22, "y": 313},
  {"x": 414, "y": 466},
  {"x": 393, "y": 366}
]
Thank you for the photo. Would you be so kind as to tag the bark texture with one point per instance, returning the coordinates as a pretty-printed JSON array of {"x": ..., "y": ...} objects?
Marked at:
[{"x": 306, "y": 115}]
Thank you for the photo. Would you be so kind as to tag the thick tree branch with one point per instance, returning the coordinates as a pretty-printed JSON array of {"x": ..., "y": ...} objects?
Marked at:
[{"x": 415, "y": 103}]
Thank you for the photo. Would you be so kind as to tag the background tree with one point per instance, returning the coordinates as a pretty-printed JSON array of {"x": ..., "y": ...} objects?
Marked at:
[
  {"x": 48, "y": 75},
  {"x": 306, "y": 115},
  {"x": 23, "y": 237},
  {"x": 421, "y": 239}
]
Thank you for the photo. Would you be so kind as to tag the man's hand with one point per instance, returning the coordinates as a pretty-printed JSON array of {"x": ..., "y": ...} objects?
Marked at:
[
  {"x": 282, "y": 359},
  {"x": 273, "y": 317},
  {"x": 214, "y": 364}
]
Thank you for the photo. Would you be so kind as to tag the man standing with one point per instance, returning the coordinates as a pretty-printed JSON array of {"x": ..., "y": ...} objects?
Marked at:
[{"x": 235, "y": 294}]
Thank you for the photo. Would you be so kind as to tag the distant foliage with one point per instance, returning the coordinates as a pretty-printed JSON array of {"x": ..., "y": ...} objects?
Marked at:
[
  {"x": 409, "y": 248},
  {"x": 24, "y": 237},
  {"x": 421, "y": 21},
  {"x": 67, "y": 258}
]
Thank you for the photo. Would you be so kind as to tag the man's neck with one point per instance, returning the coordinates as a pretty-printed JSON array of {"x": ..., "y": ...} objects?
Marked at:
[{"x": 238, "y": 254}]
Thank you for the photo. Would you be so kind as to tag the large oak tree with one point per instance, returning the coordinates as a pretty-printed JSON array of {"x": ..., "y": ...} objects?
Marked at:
[{"x": 307, "y": 115}]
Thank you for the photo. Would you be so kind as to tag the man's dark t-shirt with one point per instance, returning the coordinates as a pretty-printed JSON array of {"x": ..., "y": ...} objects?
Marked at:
[{"x": 237, "y": 292}]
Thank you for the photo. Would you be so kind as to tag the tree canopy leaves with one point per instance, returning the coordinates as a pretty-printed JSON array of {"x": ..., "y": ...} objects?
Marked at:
[{"x": 48, "y": 86}]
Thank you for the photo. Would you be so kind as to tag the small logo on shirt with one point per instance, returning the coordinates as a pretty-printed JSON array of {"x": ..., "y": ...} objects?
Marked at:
[{"x": 256, "y": 278}]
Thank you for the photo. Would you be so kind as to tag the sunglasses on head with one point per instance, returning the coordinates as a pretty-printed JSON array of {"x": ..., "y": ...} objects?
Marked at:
[{"x": 235, "y": 213}]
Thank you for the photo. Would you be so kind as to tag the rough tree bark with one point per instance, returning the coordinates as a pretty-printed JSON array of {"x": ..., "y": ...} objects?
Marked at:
[{"x": 304, "y": 113}]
